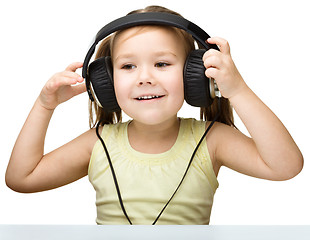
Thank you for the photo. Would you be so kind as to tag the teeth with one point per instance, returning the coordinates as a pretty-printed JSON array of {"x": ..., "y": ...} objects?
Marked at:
[{"x": 148, "y": 97}]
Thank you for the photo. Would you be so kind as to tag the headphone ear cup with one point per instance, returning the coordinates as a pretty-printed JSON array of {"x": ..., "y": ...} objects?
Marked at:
[
  {"x": 100, "y": 74},
  {"x": 196, "y": 84}
]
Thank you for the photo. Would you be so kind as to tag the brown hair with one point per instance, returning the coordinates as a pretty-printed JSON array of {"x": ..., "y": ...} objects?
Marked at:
[{"x": 105, "y": 49}]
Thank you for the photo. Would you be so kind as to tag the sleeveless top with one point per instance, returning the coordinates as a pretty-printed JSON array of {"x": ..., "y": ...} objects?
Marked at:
[{"x": 147, "y": 181}]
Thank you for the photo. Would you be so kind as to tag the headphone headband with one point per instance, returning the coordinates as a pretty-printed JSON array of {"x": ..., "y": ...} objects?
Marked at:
[{"x": 149, "y": 18}]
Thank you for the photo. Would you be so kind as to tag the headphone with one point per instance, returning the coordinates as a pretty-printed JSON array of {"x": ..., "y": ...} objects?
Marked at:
[{"x": 199, "y": 90}]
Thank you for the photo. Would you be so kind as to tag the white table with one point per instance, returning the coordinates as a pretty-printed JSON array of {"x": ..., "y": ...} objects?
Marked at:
[{"x": 94, "y": 232}]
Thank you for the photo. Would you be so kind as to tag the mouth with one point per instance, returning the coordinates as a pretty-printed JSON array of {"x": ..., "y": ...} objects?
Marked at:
[{"x": 149, "y": 97}]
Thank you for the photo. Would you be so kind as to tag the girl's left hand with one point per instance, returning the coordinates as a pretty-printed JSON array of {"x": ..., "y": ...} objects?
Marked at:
[{"x": 220, "y": 66}]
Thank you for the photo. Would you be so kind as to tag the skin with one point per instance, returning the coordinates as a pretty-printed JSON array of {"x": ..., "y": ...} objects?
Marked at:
[{"x": 146, "y": 62}]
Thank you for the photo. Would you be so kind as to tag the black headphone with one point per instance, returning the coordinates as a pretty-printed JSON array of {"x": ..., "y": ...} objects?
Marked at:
[{"x": 199, "y": 91}]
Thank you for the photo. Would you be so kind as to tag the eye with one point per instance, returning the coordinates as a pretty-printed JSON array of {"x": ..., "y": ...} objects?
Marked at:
[
  {"x": 162, "y": 64},
  {"x": 128, "y": 66}
]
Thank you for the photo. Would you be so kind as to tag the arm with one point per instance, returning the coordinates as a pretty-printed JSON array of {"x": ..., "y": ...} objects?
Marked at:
[
  {"x": 270, "y": 153},
  {"x": 29, "y": 170}
]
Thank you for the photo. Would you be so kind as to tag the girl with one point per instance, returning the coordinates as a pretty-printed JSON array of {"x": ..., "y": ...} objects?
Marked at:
[{"x": 151, "y": 151}]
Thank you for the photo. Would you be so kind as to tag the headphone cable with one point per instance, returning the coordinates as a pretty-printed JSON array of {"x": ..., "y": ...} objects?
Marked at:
[{"x": 113, "y": 173}]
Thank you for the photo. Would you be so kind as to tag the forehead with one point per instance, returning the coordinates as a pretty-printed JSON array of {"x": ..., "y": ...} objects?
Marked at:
[
  {"x": 134, "y": 31},
  {"x": 163, "y": 35}
]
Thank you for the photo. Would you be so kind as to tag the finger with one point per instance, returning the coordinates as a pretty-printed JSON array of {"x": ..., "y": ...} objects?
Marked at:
[
  {"x": 59, "y": 81},
  {"x": 73, "y": 75},
  {"x": 221, "y": 43},
  {"x": 212, "y": 73},
  {"x": 74, "y": 66},
  {"x": 209, "y": 53},
  {"x": 78, "y": 89},
  {"x": 213, "y": 61}
]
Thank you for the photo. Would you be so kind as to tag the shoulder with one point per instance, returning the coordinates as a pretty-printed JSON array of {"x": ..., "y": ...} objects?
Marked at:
[
  {"x": 87, "y": 139},
  {"x": 220, "y": 134},
  {"x": 199, "y": 127},
  {"x": 115, "y": 129},
  {"x": 193, "y": 124},
  {"x": 214, "y": 139},
  {"x": 218, "y": 138},
  {"x": 108, "y": 132}
]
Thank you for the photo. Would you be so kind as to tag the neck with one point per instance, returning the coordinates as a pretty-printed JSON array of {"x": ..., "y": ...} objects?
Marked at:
[{"x": 153, "y": 138}]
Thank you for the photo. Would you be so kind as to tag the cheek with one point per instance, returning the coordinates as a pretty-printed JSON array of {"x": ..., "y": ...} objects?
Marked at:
[
  {"x": 179, "y": 89},
  {"x": 121, "y": 89},
  {"x": 175, "y": 83}
]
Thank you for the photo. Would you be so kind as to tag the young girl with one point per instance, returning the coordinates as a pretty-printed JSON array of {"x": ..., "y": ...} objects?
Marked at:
[{"x": 150, "y": 152}]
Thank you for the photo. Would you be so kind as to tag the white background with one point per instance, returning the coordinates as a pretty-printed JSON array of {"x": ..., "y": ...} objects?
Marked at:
[{"x": 269, "y": 44}]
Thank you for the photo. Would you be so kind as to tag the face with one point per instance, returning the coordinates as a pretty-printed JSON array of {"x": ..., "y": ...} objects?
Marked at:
[{"x": 148, "y": 73}]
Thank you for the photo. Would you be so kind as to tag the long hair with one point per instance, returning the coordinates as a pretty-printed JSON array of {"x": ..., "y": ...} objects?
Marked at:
[{"x": 105, "y": 49}]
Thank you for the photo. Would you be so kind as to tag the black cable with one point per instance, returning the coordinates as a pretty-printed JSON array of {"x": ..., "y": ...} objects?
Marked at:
[
  {"x": 113, "y": 174},
  {"x": 185, "y": 173},
  {"x": 188, "y": 166}
]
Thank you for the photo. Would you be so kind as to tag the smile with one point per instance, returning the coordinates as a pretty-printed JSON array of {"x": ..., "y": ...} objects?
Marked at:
[{"x": 149, "y": 97}]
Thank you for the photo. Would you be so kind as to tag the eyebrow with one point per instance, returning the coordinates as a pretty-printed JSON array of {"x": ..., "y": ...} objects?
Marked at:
[
  {"x": 126, "y": 55},
  {"x": 163, "y": 53},
  {"x": 157, "y": 54}
]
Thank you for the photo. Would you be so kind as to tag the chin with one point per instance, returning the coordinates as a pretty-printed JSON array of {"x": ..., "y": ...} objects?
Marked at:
[
  {"x": 154, "y": 115},
  {"x": 152, "y": 119}
]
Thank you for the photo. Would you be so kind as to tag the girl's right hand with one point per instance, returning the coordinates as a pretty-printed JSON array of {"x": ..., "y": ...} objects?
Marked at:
[{"x": 61, "y": 87}]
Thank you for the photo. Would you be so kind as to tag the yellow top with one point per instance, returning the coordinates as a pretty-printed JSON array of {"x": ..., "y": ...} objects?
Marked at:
[{"x": 147, "y": 181}]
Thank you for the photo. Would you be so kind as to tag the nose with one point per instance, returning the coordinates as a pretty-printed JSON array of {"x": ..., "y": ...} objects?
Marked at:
[{"x": 145, "y": 76}]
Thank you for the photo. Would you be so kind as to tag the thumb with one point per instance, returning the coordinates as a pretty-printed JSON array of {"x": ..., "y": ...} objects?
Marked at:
[{"x": 78, "y": 89}]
